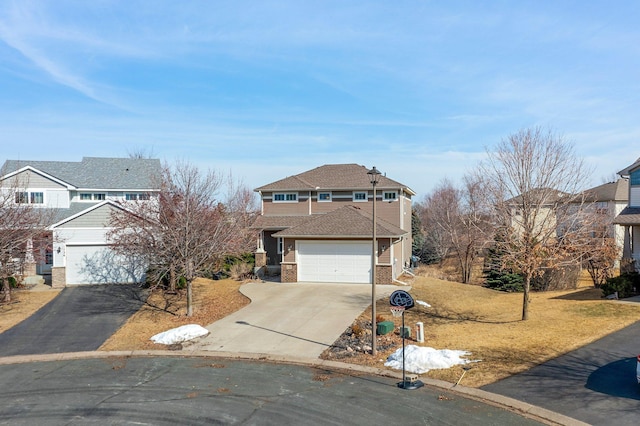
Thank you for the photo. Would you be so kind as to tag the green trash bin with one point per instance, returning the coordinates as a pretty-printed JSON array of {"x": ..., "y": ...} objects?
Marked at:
[{"x": 384, "y": 327}]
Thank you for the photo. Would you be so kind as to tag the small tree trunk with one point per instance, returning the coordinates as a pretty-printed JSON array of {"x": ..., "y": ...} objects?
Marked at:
[
  {"x": 189, "y": 299},
  {"x": 6, "y": 288},
  {"x": 525, "y": 300},
  {"x": 172, "y": 278}
]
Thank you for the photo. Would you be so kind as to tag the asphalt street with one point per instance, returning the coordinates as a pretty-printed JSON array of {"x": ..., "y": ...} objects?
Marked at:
[
  {"x": 78, "y": 319},
  {"x": 193, "y": 391},
  {"x": 595, "y": 384}
]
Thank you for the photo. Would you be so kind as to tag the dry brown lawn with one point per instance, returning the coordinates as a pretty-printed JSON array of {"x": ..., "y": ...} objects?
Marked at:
[
  {"x": 23, "y": 304},
  {"x": 212, "y": 301},
  {"x": 488, "y": 324}
]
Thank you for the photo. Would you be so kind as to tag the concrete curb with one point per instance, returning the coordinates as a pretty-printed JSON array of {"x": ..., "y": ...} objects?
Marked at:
[{"x": 473, "y": 393}]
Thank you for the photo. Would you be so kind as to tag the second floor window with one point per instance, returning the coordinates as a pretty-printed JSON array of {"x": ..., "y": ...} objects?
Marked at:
[
  {"x": 389, "y": 196},
  {"x": 324, "y": 196},
  {"x": 359, "y": 196},
  {"x": 92, "y": 197},
  {"x": 285, "y": 197},
  {"x": 137, "y": 197},
  {"x": 25, "y": 197}
]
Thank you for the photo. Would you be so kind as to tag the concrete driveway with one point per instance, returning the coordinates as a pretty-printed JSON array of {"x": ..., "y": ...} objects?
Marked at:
[
  {"x": 78, "y": 319},
  {"x": 299, "y": 320}
]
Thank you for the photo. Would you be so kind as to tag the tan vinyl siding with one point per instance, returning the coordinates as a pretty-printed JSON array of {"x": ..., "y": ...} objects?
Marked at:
[
  {"x": 285, "y": 209},
  {"x": 338, "y": 199},
  {"x": 289, "y": 255},
  {"x": 384, "y": 256}
]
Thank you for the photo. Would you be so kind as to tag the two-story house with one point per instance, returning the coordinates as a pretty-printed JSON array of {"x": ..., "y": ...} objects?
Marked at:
[
  {"x": 629, "y": 219},
  {"x": 317, "y": 226},
  {"x": 609, "y": 200},
  {"x": 83, "y": 195}
]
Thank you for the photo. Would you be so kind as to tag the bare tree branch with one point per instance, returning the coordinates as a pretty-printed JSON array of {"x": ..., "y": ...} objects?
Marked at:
[
  {"x": 189, "y": 228},
  {"x": 536, "y": 181}
]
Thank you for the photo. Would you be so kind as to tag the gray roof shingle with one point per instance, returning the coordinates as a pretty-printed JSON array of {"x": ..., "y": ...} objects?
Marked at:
[
  {"x": 97, "y": 172},
  {"x": 628, "y": 216}
]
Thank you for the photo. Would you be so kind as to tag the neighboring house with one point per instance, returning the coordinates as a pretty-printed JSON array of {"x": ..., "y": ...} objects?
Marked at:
[
  {"x": 610, "y": 199},
  {"x": 83, "y": 195},
  {"x": 317, "y": 226},
  {"x": 541, "y": 201},
  {"x": 629, "y": 219}
]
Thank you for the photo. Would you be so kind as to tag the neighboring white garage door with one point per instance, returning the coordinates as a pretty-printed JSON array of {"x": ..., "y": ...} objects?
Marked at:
[
  {"x": 347, "y": 262},
  {"x": 98, "y": 264}
]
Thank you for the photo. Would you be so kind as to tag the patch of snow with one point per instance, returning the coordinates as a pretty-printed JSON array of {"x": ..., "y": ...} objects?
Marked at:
[
  {"x": 425, "y": 304},
  {"x": 180, "y": 334},
  {"x": 420, "y": 359}
]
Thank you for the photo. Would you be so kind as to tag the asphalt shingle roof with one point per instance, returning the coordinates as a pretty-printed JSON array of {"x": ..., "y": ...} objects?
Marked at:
[
  {"x": 611, "y": 191},
  {"x": 345, "y": 222},
  {"x": 279, "y": 222},
  {"x": 332, "y": 177},
  {"x": 96, "y": 172},
  {"x": 628, "y": 216}
]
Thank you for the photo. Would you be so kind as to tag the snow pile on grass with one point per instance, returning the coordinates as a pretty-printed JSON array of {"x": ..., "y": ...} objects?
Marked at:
[
  {"x": 180, "y": 334},
  {"x": 422, "y": 359}
]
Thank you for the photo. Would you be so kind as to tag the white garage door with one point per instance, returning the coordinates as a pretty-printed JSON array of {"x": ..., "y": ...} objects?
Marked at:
[
  {"x": 348, "y": 262},
  {"x": 98, "y": 264}
]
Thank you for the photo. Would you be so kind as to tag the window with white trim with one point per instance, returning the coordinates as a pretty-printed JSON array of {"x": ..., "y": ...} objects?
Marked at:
[
  {"x": 285, "y": 197},
  {"x": 280, "y": 245},
  {"x": 142, "y": 196},
  {"x": 36, "y": 197},
  {"x": 359, "y": 196},
  {"x": 27, "y": 197},
  {"x": 88, "y": 196},
  {"x": 389, "y": 195},
  {"x": 324, "y": 197}
]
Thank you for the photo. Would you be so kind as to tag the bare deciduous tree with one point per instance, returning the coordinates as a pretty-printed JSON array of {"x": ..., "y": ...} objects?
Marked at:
[
  {"x": 459, "y": 217},
  {"x": 188, "y": 229},
  {"x": 23, "y": 230},
  {"x": 536, "y": 183}
]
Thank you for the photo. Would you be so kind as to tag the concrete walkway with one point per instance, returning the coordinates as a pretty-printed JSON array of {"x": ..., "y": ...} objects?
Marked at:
[{"x": 299, "y": 320}]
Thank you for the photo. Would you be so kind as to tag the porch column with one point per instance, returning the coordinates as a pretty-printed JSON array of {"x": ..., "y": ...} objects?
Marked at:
[
  {"x": 260, "y": 254},
  {"x": 626, "y": 250},
  {"x": 627, "y": 263},
  {"x": 29, "y": 268}
]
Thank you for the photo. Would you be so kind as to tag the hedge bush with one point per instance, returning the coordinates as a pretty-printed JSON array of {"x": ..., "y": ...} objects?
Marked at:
[{"x": 626, "y": 285}]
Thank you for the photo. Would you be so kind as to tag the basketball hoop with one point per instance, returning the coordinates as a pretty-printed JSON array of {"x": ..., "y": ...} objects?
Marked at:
[{"x": 397, "y": 311}]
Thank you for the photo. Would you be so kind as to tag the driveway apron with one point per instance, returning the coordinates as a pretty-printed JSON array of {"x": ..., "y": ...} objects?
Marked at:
[
  {"x": 595, "y": 384},
  {"x": 300, "y": 320},
  {"x": 78, "y": 319}
]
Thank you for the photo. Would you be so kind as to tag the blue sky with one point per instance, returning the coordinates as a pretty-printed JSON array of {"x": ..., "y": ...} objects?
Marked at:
[{"x": 267, "y": 89}]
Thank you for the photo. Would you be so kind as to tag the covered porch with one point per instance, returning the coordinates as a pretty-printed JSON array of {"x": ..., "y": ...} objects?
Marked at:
[{"x": 629, "y": 219}]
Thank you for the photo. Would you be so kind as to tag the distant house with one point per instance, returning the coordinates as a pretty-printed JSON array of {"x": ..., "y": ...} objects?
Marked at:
[
  {"x": 610, "y": 199},
  {"x": 316, "y": 226},
  {"x": 629, "y": 219},
  {"x": 83, "y": 195},
  {"x": 544, "y": 201}
]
